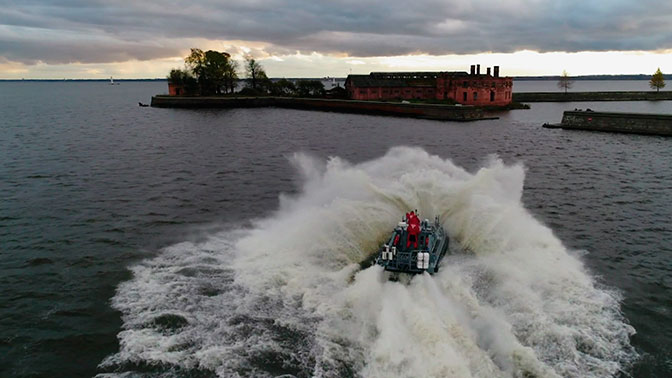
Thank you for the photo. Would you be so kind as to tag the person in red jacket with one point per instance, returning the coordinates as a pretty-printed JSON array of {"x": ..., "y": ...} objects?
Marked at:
[{"x": 413, "y": 229}]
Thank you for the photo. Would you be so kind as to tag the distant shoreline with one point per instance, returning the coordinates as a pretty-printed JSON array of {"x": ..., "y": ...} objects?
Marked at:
[
  {"x": 591, "y": 78},
  {"x": 637, "y": 77},
  {"x": 592, "y": 96},
  {"x": 78, "y": 80}
]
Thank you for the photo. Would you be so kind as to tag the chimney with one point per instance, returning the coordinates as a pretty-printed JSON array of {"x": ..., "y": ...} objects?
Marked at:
[
  {"x": 488, "y": 71},
  {"x": 478, "y": 69},
  {"x": 496, "y": 69},
  {"x": 473, "y": 69}
]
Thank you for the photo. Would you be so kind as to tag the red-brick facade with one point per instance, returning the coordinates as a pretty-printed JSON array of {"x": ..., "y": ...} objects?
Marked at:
[
  {"x": 461, "y": 87},
  {"x": 175, "y": 89}
]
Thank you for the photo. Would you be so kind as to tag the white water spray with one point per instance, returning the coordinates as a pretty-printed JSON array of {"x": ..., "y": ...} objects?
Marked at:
[{"x": 288, "y": 297}]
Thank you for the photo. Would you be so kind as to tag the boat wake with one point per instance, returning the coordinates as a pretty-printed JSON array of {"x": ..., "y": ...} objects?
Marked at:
[{"x": 288, "y": 295}]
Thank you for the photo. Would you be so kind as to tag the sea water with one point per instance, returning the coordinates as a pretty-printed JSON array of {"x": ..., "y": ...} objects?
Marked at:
[{"x": 158, "y": 242}]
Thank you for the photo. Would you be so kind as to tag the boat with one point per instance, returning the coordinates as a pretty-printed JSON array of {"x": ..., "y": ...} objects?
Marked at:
[{"x": 414, "y": 246}]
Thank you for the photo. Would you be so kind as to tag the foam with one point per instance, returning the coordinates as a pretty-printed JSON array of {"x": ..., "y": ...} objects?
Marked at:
[{"x": 287, "y": 296}]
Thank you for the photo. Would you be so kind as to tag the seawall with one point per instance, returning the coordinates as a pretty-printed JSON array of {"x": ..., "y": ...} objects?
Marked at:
[
  {"x": 427, "y": 111},
  {"x": 591, "y": 96},
  {"x": 633, "y": 123}
]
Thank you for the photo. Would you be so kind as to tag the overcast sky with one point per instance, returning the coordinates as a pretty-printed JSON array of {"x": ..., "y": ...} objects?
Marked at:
[{"x": 315, "y": 38}]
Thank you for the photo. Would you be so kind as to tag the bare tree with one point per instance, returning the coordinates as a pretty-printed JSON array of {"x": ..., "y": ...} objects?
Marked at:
[
  {"x": 565, "y": 82},
  {"x": 255, "y": 72}
]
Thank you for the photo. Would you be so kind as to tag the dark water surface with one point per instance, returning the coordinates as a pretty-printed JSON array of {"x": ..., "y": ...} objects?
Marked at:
[{"x": 91, "y": 184}]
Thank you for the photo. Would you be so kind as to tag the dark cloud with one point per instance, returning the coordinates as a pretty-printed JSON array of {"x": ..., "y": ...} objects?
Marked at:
[
  {"x": 106, "y": 31},
  {"x": 68, "y": 51}
]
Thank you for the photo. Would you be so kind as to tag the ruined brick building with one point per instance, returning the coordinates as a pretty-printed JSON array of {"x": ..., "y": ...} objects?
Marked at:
[{"x": 471, "y": 88}]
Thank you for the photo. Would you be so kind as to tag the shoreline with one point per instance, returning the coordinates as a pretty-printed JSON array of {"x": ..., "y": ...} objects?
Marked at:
[
  {"x": 412, "y": 110},
  {"x": 592, "y": 96}
]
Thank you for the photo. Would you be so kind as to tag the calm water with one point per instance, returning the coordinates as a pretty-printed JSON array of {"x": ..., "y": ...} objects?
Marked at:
[
  {"x": 205, "y": 243},
  {"x": 582, "y": 86}
]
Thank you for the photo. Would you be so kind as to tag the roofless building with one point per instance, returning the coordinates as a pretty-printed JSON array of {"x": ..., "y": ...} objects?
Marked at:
[{"x": 471, "y": 88}]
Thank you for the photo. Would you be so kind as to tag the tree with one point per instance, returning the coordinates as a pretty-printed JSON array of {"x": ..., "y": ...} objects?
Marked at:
[
  {"x": 255, "y": 72},
  {"x": 657, "y": 80},
  {"x": 184, "y": 79},
  {"x": 177, "y": 76},
  {"x": 195, "y": 62},
  {"x": 283, "y": 87},
  {"x": 231, "y": 76},
  {"x": 214, "y": 70},
  {"x": 565, "y": 82},
  {"x": 308, "y": 88}
]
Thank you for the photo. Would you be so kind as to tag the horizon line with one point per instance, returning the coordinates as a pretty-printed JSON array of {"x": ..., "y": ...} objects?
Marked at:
[{"x": 667, "y": 76}]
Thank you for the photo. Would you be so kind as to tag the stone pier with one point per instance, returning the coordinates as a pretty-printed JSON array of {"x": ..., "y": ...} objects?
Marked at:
[{"x": 633, "y": 123}]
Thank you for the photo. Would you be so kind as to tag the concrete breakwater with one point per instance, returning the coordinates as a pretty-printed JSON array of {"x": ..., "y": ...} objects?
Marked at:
[
  {"x": 591, "y": 96},
  {"x": 633, "y": 123},
  {"x": 427, "y": 111}
]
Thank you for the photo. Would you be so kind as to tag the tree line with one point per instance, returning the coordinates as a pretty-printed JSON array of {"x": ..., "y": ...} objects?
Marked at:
[{"x": 208, "y": 73}]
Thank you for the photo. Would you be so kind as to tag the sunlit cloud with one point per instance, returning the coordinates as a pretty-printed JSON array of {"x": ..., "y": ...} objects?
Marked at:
[{"x": 320, "y": 65}]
